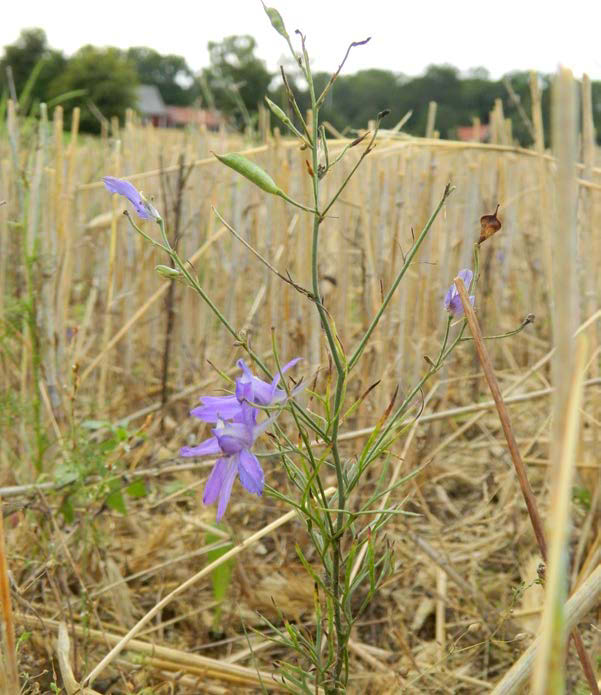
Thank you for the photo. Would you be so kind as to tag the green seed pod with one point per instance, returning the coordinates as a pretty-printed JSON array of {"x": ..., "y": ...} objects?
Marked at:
[
  {"x": 281, "y": 115},
  {"x": 276, "y": 20},
  {"x": 250, "y": 170},
  {"x": 277, "y": 112},
  {"x": 167, "y": 272}
]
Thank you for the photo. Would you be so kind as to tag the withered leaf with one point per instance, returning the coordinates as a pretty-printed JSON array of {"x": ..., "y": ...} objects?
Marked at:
[{"x": 489, "y": 224}]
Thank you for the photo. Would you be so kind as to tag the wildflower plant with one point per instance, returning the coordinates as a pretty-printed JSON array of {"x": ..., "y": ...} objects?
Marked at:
[{"x": 343, "y": 527}]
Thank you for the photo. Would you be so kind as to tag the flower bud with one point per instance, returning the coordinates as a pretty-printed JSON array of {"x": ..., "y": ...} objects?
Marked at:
[
  {"x": 276, "y": 20},
  {"x": 281, "y": 116}
]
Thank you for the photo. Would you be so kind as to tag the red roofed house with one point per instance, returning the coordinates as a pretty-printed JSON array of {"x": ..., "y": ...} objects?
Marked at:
[
  {"x": 470, "y": 133},
  {"x": 153, "y": 109},
  {"x": 181, "y": 116},
  {"x": 151, "y": 105}
]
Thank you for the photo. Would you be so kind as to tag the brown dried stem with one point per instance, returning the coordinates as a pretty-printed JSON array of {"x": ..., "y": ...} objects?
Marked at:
[{"x": 12, "y": 680}]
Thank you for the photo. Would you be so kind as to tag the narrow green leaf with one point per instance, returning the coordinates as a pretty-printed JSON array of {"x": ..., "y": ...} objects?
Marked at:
[{"x": 221, "y": 575}]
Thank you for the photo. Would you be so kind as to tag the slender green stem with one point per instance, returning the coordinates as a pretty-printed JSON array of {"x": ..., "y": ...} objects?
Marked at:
[
  {"x": 306, "y": 442},
  {"x": 36, "y": 358},
  {"x": 341, "y": 633},
  {"x": 290, "y": 200},
  {"x": 145, "y": 236},
  {"x": 508, "y": 334},
  {"x": 364, "y": 154},
  {"x": 198, "y": 288},
  {"x": 410, "y": 256}
]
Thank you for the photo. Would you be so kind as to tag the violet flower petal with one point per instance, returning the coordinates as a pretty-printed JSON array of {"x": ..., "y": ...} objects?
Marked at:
[
  {"x": 263, "y": 393},
  {"x": 452, "y": 300},
  {"x": 122, "y": 187},
  {"x": 247, "y": 415},
  {"x": 209, "y": 446},
  {"x": 216, "y": 408},
  {"x": 215, "y": 482},
  {"x": 226, "y": 487},
  {"x": 143, "y": 208},
  {"x": 244, "y": 390},
  {"x": 456, "y": 306},
  {"x": 466, "y": 275},
  {"x": 277, "y": 394},
  {"x": 250, "y": 472}
]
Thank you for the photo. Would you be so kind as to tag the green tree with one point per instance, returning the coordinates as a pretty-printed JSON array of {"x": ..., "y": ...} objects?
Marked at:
[
  {"x": 170, "y": 73},
  {"x": 28, "y": 55},
  {"x": 237, "y": 79},
  {"x": 108, "y": 79},
  {"x": 440, "y": 83}
]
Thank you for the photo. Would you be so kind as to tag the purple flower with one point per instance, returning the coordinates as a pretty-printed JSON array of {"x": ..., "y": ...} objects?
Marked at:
[
  {"x": 143, "y": 208},
  {"x": 248, "y": 388},
  {"x": 452, "y": 300},
  {"x": 232, "y": 441},
  {"x": 235, "y": 433}
]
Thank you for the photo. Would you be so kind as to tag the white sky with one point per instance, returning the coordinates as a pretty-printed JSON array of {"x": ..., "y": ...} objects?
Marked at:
[{"x": 406, "y": 36}]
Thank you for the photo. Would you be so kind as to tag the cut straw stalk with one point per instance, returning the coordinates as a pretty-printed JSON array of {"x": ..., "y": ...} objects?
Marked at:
[
  {"x": 568, "y": 366},
  {"x": 110, "y": 290},
  {"x": 590, "y": 250},
  {"x": 516, "y": 458},
  {"x": 133, "y": 164},
  {"x": 548, "y": 674},
  {"x": 118, "y": 648}
]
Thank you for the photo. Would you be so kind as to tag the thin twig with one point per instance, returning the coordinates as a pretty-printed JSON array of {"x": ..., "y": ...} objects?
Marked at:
[
  {"x": 334, "y": 77},
  {"x": 288, "y": 280}
]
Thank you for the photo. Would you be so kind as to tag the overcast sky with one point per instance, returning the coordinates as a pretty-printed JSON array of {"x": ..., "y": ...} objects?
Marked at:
[{"x": 406, "y": 36}]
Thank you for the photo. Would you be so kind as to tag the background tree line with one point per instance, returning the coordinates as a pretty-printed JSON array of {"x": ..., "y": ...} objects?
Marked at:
[{"x": 102, "y": 82}]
